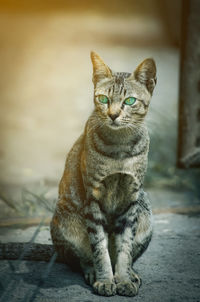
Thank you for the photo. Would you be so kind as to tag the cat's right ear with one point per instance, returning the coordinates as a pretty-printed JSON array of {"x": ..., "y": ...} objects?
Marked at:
[
  {"x": 100, "y": 70},
  {"x": 146, "y": 74}
]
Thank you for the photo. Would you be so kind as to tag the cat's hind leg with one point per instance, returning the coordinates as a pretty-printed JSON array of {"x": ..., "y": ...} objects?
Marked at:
[{"x": 71, "y": 241}]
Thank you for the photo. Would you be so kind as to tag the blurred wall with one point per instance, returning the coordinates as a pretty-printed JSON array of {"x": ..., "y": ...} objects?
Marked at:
[{"x": 45, "y": 83}]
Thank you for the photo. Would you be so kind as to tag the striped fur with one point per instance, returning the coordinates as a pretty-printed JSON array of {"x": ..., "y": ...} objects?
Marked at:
[{"x": 102, "y": 221}]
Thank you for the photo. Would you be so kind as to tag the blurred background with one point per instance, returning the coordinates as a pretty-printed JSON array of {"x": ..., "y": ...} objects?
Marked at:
[{"x": 46, "y": 92}]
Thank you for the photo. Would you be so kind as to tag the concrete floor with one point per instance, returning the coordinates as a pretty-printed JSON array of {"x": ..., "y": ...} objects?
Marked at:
[{"x": 170, "y": 270}]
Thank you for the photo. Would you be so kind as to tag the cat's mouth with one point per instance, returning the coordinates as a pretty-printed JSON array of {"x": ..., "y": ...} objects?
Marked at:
[{"x": 114, "y": 124}]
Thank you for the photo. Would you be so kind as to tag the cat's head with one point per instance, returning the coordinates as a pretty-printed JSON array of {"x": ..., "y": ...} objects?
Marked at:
[{"x": 122, "y": 99}]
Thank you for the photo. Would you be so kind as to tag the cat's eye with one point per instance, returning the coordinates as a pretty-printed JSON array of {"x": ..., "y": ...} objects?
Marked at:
[
  {"x": 130, "y": 101},
  {"x": 103, "y": 99}
]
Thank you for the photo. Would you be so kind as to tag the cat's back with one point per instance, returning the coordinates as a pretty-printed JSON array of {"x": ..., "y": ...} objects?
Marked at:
[{"x": 71, "y": 176}]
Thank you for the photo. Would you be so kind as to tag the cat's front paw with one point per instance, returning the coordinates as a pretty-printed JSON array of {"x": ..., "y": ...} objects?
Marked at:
[
  {"x": 105, "y": 288},
  {"x": 127, "y": 288}
]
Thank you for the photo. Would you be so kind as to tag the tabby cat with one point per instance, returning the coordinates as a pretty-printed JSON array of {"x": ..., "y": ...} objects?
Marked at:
[{"x": 102, "y": 221}]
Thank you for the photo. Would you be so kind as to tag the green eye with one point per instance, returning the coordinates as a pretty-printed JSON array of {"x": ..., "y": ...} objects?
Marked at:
[
  {"x": 103, "y": 99},
  {"x": 130, "y": 101}
]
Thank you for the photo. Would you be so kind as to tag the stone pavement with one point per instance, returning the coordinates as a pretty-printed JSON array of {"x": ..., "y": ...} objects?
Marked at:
[{"x": 170, "y": 270}]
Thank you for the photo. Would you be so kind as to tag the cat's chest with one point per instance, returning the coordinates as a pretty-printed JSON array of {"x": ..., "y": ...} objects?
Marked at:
[
  {"x": 116, "y": 192},
  {"x": 104, "y": 158}
]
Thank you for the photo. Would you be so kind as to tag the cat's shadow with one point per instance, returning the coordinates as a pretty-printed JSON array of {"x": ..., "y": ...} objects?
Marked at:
[{"x": 60, "y": 276}]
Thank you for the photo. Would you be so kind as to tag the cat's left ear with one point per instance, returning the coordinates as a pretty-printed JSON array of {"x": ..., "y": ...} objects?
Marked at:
[
  {"x": 145, "y": 73},
  {"x": 100, "y": 70}
]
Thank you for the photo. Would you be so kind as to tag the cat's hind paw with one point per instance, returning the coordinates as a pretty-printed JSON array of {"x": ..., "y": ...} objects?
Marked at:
[
  {"x": 105, "y": 288},
  {"x": 89, "y": 276},
  {"x": 135, "y": 278}
]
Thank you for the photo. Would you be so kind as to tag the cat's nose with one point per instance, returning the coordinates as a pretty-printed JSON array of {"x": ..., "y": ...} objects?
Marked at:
[{"x": 113, "y": 116}]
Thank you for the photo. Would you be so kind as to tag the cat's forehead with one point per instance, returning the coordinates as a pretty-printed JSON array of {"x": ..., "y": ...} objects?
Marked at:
[
  {"x": 119, "y": 77},
  {"x": 118, "y": 80}
]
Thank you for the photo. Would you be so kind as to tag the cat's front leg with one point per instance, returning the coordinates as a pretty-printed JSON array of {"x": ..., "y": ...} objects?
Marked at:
[
  {"x": 127, "y": 280},
  {"x": 95, "y": 221}
]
